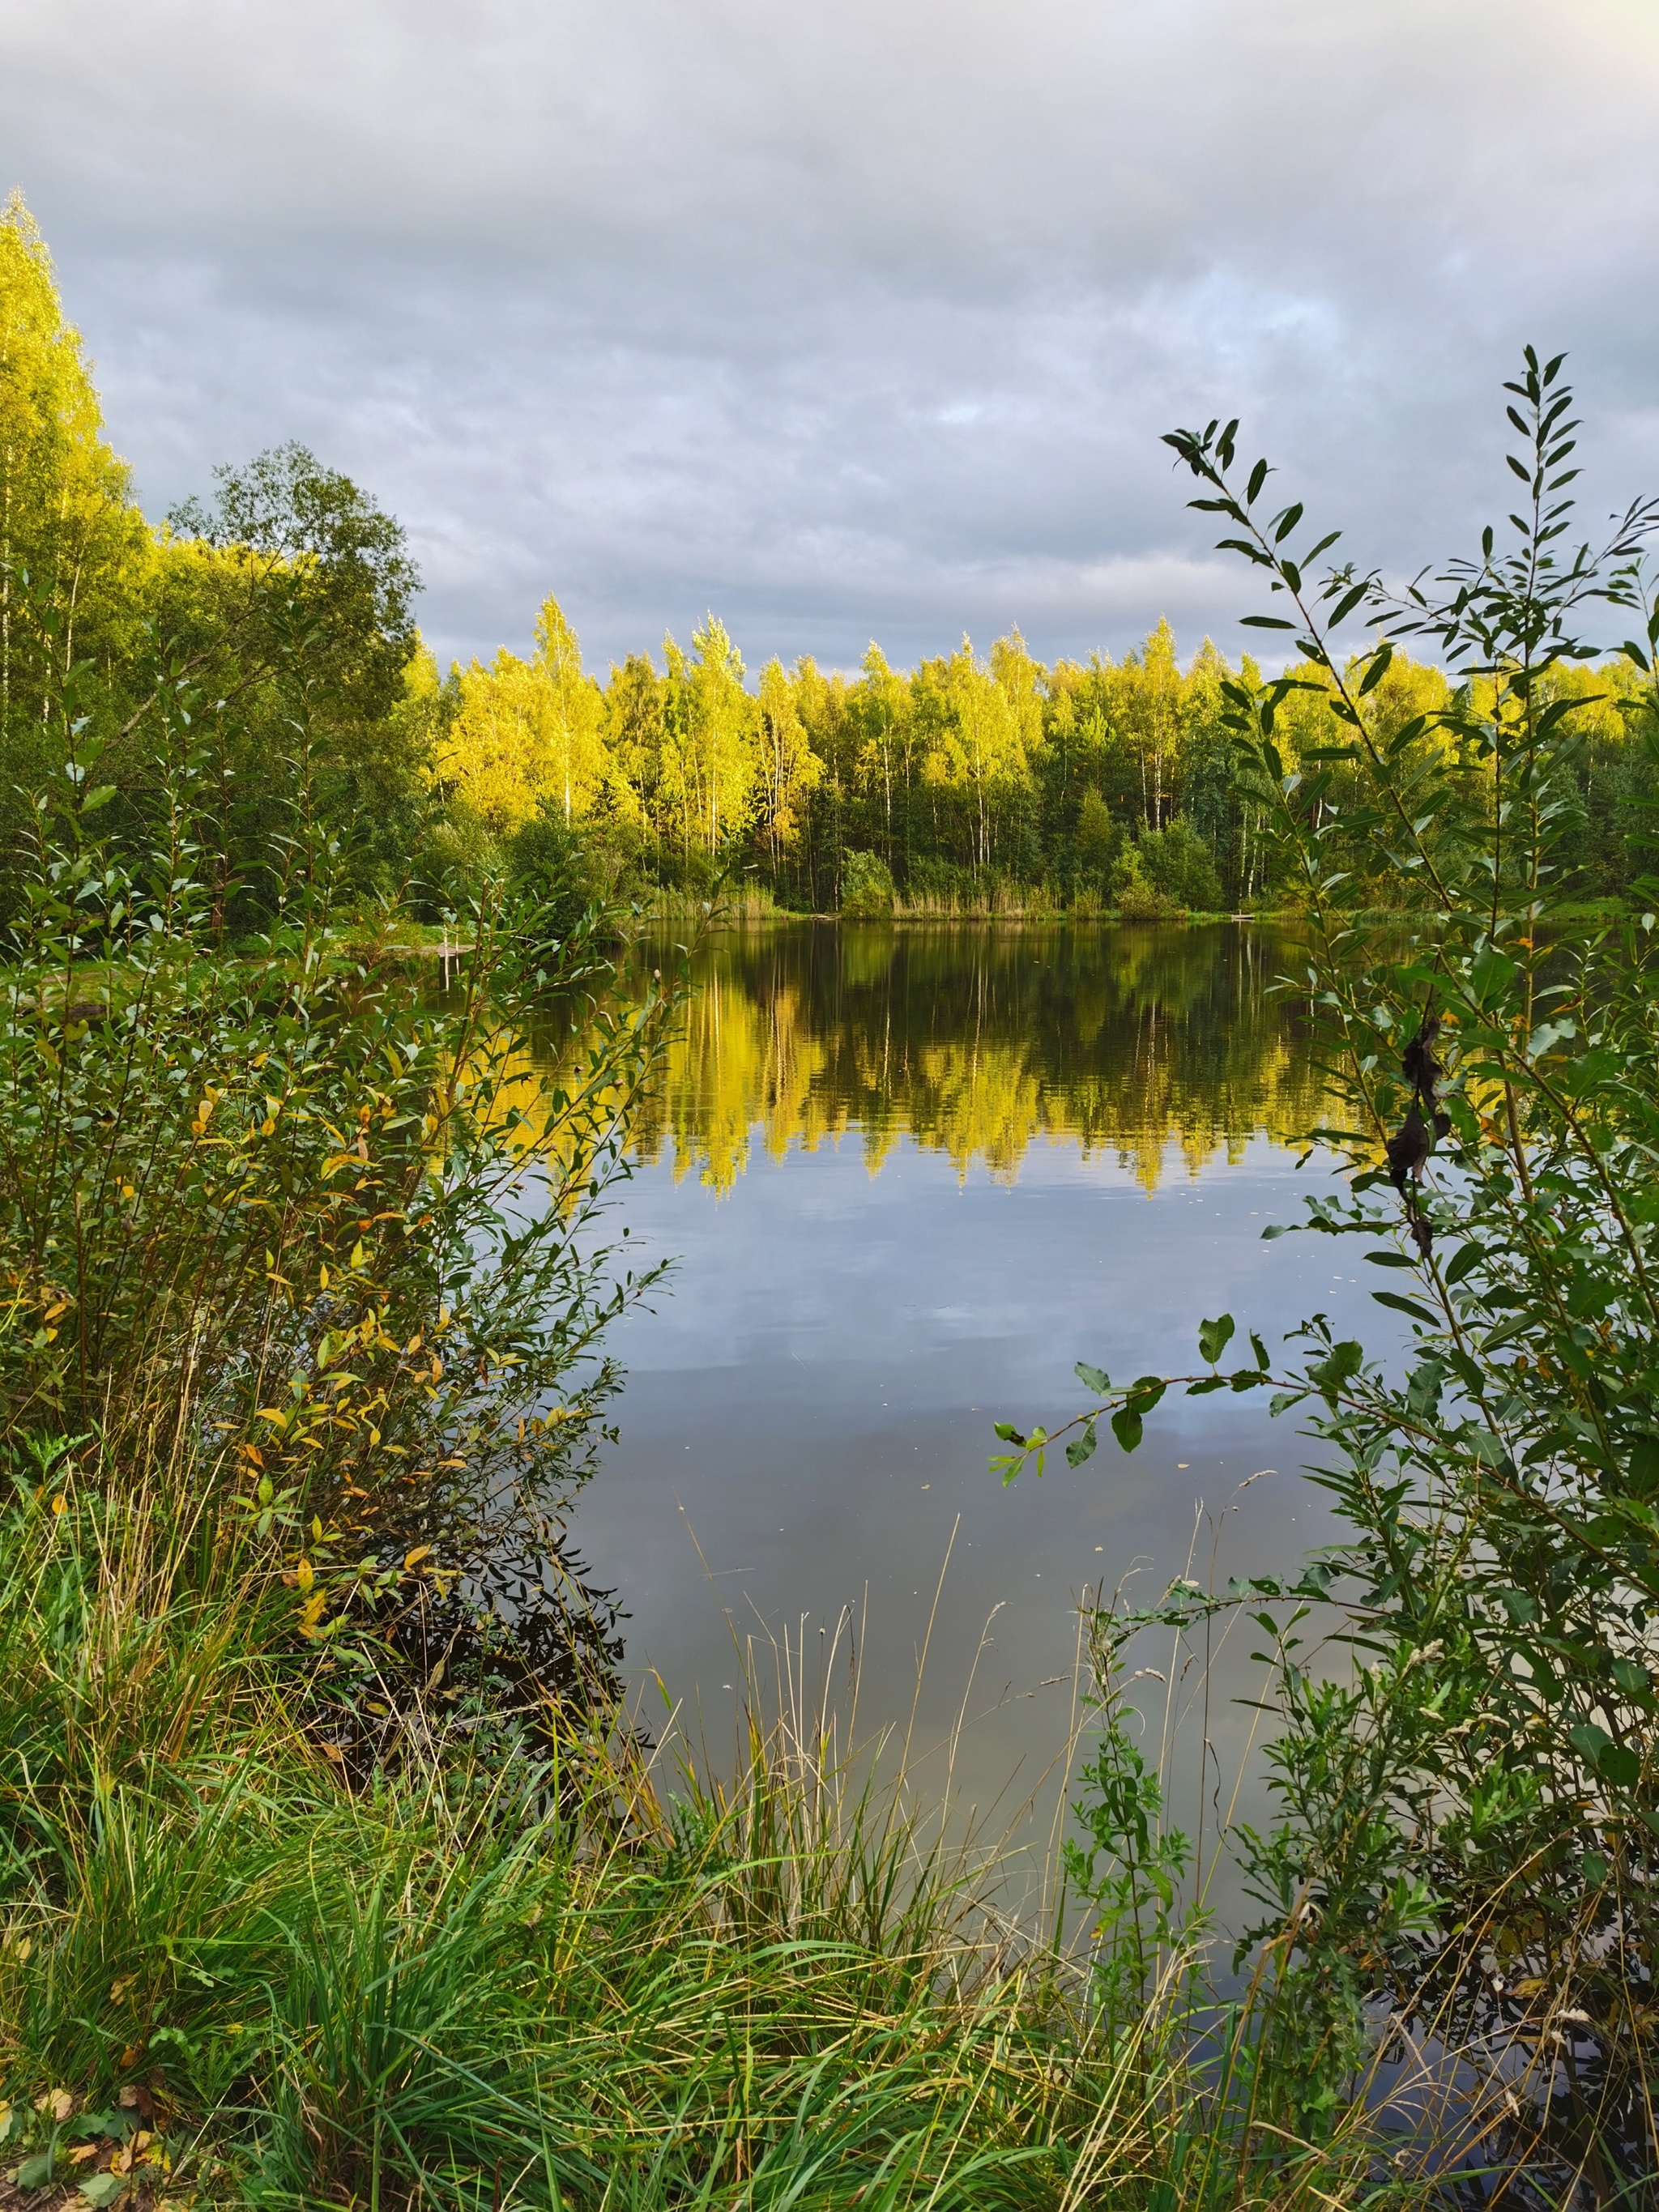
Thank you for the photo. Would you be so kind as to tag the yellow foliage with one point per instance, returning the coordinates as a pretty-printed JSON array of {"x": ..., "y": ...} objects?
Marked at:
[
  {"x": 67, "y": 518},
  {"x": 528, "y": 734}
]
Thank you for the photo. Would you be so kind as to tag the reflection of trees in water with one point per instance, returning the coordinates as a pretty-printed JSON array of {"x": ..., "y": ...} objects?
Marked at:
[{"x": 975, "y": 1041}]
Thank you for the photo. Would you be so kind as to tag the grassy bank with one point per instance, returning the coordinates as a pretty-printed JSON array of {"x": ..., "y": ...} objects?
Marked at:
[{"x": 518, "y": 1962}]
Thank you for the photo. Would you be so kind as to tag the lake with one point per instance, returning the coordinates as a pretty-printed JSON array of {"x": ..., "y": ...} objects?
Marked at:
[{"x": 909, "y": 1175}]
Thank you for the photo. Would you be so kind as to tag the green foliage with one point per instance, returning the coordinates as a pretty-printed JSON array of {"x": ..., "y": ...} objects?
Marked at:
[
  {"x": 1468, "y": 1777},
  {"x": 1129, "y": 1864},
  {"x": 279, "y": 621},
  {"x": 278, "y": 1220},
  {"x": 1180, "y": 866},
  {"x": 867, "y": 888},
  {"x": 311, "y": 561}
]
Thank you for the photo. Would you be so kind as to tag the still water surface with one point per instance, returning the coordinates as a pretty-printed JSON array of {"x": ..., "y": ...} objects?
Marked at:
[{"x": 909, "y": 1176}]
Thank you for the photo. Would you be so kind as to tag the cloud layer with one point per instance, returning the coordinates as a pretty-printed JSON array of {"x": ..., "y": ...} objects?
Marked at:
[{"x": 846, "y": 319}]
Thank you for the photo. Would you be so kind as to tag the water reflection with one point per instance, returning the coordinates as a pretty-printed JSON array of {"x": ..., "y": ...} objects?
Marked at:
[
  {"x": 976, "y": 1042},
  {"x": 1055, "y": 1145}
]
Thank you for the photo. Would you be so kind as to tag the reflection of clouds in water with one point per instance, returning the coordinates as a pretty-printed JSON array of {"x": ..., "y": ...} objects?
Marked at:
[{"x": 817, "y": 1391}]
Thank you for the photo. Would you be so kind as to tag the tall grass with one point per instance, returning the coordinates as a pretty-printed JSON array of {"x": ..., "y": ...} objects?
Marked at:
[{"x": 588, "y": 1977}]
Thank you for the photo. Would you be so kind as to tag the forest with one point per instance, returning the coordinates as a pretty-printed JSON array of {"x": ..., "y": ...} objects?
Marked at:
[
  {"x": 969, "y": 784},
  {"x": 284, "y": 604}
]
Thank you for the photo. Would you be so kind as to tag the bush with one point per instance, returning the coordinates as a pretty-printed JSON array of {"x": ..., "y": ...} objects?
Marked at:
[
  {"x": 866, "y": 886},
  {"x": 1468, "y": 1780},
  {"x": 1179, "y": 865},
  {"x": 1134, "y": 898}
]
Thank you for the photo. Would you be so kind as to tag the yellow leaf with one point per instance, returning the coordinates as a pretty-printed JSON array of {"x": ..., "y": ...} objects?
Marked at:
[
  {"x": 322, "y": 1277},
  {"x": 118, "y": 1989},
  {"x": 419, "y": 1553},
  {"x": 273, "y": 1413},
  {"x": 357, "y": 1254},
  {"x": 305, "y": 1575},
  {"x": 60, "y": 1505}
]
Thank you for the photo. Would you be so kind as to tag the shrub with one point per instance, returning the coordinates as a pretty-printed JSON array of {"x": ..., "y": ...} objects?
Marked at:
[
  {"x": 1468, "y": 1780},
  {"x": 866, "y": 886},
  {"x": 1179, "y": 864},
  {"x": 1134, "y": 897}
]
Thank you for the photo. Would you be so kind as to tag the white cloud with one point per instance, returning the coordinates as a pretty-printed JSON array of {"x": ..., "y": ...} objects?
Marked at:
[{"x": 846, "y": 319}]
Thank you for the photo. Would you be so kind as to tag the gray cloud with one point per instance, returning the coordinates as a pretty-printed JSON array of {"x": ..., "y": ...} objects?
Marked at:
[{"x": 846, "y": 319}]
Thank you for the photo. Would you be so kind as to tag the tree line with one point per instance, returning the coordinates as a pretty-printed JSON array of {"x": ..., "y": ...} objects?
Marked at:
[
  {"x": 278, "y": 616},
  {"x": 969, "y": 781}
]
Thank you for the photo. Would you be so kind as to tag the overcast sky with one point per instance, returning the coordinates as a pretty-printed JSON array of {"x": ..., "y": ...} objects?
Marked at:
[{"x": 847, "y": 318}]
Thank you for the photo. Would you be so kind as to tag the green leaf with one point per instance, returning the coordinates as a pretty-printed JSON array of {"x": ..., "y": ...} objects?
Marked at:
[
  {"x": 100, "y": 797},
  {"x": 1127, "y": 1427},
  {"x": 1466, "y": 1257},
  {"x": 1264, "y": 621},
  {"x": 1417, "y": 1310},
  {"x": 1345, "y": 1361},
  {"x": 1093, "y": 1378},
  {"x": 1548, "y": 1034},
  {"x": 1009, "y": 1433},
  {"x": 1379, "y": 668},
  {"x": 1258, "y": 477},
  {"x": 1214, "y": 1337},
  {"x": 1260, "y": 1352},
  {"x": 1081, "y": 1447},
  {"x": 35, "y": 2172},
  {"x": 1619, "y": 1765},
  {"x": 1492, "y": 973},
  {"x": 102, "y": 2188}
]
